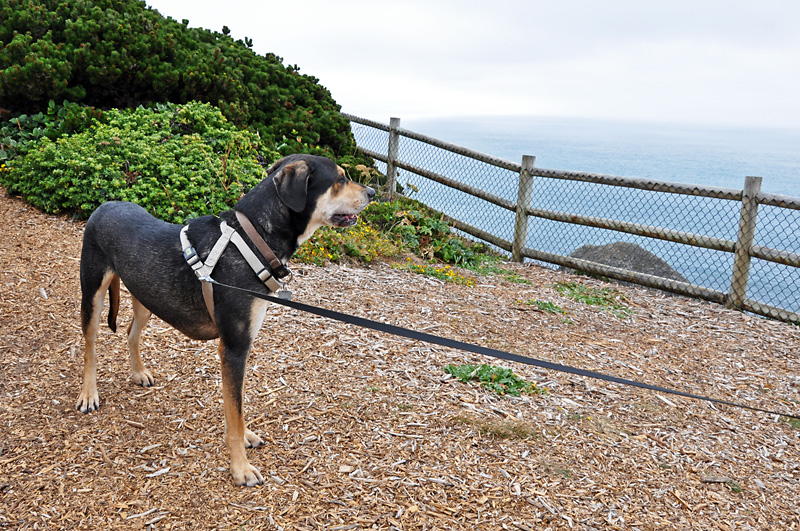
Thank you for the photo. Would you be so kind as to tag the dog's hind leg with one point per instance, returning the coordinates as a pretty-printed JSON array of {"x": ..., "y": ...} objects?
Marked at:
[
  {"x": 93, "y": 293},
  {"x": 141, "y": 315},
  {"x": 237, "y": 437}
]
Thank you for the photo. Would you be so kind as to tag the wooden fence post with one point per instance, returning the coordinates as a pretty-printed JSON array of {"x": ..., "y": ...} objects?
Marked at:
[
  {"x": 744, "y": 242},
  {"x": 524, "y": 195},
  {"x": 391, "y": 155}
]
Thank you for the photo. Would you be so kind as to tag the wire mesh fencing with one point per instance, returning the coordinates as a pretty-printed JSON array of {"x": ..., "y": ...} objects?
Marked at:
[{"x": 736, "y": 247}]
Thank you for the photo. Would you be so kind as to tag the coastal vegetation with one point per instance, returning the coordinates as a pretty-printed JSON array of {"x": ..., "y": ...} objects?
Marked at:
[
  {"x": 122, "y": 54},
  {"x": 106, "y": 100}
]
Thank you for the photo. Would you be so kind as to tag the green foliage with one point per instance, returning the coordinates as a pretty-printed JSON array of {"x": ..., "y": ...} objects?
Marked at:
[
  {"x": 420, "y": 230},
  {"x": 487, "y": 263},
  {"x": 734, "y": 486},
  {"x": 547, "y": 307},
  {"x": 791, "y": 421},
  {"x": 362, "y": 173},
  {"x": 17, "y": 134},
  {"x": 389, "y": 229},
  {"x": 497, "y": 379},
  {"x": 177, "y": 161},
  {"x": 607, "y": 299},
  {"x": 122, "y": 54},
  {"x": 442, "y": 272},
  {"x": 362, "y": 242}
]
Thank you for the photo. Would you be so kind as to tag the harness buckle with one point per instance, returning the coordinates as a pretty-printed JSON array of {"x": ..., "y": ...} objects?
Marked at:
[
  {"x": 264, "y": 275},
  {"x": 190, "y": 255}
]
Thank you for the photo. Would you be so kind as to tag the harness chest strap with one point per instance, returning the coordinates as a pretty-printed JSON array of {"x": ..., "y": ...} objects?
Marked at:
[
  {"x": 203, "y": 269},
  {"x": 278, "y": 269}
]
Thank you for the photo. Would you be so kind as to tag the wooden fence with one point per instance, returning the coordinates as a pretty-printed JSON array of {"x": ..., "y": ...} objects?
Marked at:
[{"x": 743, "y": 248}]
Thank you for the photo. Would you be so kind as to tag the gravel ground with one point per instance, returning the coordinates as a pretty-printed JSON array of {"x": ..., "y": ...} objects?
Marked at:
[{"x": 366, "y": 430}]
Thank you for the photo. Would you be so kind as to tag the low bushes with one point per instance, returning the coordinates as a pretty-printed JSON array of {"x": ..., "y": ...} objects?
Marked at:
[
  {"x": 390, "y": 229},
  {"x": 178, "y": 161}
]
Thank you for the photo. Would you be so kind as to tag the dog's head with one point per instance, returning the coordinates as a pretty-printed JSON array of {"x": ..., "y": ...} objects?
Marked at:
[{"x": 320, "y": 191}]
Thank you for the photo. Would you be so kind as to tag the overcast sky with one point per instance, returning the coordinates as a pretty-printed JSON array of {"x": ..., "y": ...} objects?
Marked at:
[{"x": 687, "y": 61}]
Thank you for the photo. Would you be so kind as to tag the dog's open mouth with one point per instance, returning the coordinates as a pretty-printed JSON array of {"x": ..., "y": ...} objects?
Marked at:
[{"x": 344, "y": 220}]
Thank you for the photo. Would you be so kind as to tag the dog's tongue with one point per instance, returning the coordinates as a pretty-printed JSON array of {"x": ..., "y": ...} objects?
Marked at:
[{"x": 345, "y": 220}]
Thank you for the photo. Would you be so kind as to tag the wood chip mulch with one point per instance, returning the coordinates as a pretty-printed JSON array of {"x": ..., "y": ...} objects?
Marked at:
[{"x": 366, "y": 431}]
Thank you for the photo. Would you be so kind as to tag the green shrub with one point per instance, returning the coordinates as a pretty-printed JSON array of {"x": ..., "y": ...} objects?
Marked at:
[
  {"x": 122, "y": 54},
  {"x": 361, "y": 242},
  {"x": 389, "y": 229},
  {"x": 17, "y": 134},
  {"x": 420, "y": 230},
  {"x": 177, "y": 161}
]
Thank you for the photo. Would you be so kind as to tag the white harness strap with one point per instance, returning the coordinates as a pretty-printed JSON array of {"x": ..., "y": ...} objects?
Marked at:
[
  {"x": 263, "y": 273},
  {"x": 203, "y": 269}
]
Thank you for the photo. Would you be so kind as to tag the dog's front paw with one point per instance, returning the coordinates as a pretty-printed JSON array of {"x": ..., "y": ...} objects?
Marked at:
[
  {"x": 247, "y": 476},
  {"x": 251, "y": 440},
  {"x": 143, "y": 378},
  {"x": 88, "y": 402}
]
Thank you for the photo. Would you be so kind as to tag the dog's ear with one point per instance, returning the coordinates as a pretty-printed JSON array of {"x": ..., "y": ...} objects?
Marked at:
[{"x": 291, "y": 183}]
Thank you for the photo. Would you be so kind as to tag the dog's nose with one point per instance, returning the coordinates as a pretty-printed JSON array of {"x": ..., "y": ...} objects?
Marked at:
[{"x": 370, "y": 193}]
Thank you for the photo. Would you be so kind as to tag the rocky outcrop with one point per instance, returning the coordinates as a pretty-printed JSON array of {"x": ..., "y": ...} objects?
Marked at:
[{"x": 628, "y": 256}]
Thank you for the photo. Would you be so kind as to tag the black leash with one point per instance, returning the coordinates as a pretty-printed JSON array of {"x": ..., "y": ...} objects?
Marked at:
[{"x": 485, "y": 351}]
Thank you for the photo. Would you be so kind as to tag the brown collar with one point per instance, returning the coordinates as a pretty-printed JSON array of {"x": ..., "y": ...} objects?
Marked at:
[{"x": 278, "y": 269}]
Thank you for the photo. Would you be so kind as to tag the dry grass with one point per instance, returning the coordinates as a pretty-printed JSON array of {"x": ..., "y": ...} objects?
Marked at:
[{"x": 366, "y": 431}]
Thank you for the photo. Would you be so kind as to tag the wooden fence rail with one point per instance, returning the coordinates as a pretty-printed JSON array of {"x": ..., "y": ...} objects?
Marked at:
[{"x": 743, "y": 249}]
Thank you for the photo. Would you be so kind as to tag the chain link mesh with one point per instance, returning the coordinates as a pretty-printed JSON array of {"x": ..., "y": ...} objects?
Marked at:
[
  {"x": 658, "y": 214},
  {"x": 456, "y": 203},
  {"x": 693, "y": 230},
  {"x": 777, "y": 284},
  {"x": 373, "y": 138}
]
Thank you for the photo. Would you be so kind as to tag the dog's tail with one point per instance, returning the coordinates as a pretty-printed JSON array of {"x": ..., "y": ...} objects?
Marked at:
[{"x": 113, "y": 303}]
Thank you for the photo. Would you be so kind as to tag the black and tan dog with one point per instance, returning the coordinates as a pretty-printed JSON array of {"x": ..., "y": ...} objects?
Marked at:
[{"x": 123, "y": 242}]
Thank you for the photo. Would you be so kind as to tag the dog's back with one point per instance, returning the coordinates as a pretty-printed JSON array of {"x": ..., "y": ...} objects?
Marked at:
[{"x": 123, "y": 241}]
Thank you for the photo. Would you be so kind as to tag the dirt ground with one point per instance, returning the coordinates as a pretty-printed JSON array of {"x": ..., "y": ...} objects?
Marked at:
[{"x": 366, "y": 430}]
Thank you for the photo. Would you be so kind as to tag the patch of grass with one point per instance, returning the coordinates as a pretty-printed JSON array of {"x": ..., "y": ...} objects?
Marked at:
[
  {"x": 489, "y": 265},
  {"x": 497, "y": 379},
  {"x": 405, "y": 226},
  {"x": 734, "y": 486},
  {"x": 607, "y": 299},
  {"x": 575, "y": 416},
  {"x": 556, "y": 468},
  {"x": 500, "y": 429},
  {"x": 547, "y": 307},
  {"x": 793, "y": 422}
]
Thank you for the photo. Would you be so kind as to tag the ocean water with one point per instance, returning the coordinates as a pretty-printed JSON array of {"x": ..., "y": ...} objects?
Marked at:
[{"x": 711, "y": 156}]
